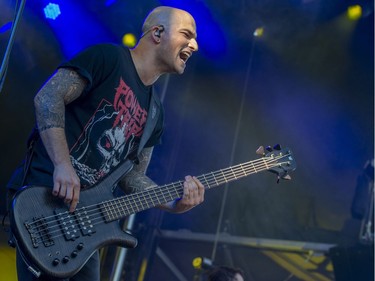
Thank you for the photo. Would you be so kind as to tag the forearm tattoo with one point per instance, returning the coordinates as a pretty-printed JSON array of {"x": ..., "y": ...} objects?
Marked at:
[
  {"x": 136, "y": 180},
  {"x": 64, "y": 87}
]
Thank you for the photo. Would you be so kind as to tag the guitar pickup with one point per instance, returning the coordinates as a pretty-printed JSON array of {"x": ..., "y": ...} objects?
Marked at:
[
  {"x": 85, "y": 221},
  {"x": 68, "y": 224}
]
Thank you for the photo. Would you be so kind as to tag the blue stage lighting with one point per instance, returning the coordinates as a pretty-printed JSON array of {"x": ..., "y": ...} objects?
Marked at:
[
  {"x": 109, "y": 2},
  {"x": 78, "y": 28},
  {"x": 52, "y": 11},
  {"x": 211, "y": 37},
  {"x": 6, "y": 27}
]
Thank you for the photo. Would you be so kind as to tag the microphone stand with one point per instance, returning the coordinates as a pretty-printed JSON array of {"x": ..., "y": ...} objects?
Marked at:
[{"x": 4, "y": 64}]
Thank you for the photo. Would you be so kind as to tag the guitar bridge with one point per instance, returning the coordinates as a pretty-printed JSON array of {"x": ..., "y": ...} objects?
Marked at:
[{"x": 39, "y": 232}]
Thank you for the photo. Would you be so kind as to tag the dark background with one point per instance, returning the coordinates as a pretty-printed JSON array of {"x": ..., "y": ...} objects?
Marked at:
[{"x": 307, "y": 84}]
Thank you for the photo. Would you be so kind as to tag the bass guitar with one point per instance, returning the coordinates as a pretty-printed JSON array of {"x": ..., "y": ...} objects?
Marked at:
[{"x": 58, "y": 243}]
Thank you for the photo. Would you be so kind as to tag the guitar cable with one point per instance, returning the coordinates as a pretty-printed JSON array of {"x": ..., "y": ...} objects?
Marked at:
[
  {"x": 10, "y": 194},
  {"x": 31, "y": 268}
]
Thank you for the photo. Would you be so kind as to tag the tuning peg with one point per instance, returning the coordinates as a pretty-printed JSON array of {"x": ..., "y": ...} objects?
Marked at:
[
  {"x": 260, "y": 151},
  {"x": 277, "y": 147},
  {"x": 268, "y": 148},
  {"x": 286, "y": 177}
]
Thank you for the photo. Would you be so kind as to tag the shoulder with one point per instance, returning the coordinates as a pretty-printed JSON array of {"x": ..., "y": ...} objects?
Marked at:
[{"x": 113, "y": 52}]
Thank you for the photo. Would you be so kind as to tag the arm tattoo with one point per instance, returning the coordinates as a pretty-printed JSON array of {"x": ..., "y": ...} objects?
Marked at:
[
  {"x": 64, "y": 87},
  {"x": 136, "y": 180}
]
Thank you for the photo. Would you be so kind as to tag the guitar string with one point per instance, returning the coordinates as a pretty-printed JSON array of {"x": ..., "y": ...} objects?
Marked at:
[
  {"x": 204, "y": 179},
  {"x": 43, "y": 235},
  {"x": 122, "y": 199},
  {"x": 208, "y": 178},
  {"x": 214, "y": 182}
]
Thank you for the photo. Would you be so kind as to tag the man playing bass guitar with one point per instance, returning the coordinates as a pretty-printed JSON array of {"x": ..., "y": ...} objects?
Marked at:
[{"x": 99, "y": 110}]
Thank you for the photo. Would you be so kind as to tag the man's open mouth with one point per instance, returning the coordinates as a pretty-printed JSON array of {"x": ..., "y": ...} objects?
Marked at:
[{"x": 184, "y": 56}]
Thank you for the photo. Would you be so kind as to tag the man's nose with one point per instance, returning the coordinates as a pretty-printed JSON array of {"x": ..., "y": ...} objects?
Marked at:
[{"x": 193, "y": 44}]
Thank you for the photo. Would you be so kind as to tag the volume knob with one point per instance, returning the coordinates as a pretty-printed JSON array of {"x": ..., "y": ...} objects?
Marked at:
[
  {"x": 80, "y": 246},
  {"x": 74, "y": 254}
]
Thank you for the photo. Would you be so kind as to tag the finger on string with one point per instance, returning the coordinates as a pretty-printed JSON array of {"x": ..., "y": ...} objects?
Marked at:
[{"x": 198, "y": 183}]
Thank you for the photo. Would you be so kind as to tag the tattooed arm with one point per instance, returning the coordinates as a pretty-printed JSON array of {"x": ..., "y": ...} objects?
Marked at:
[
  {"x": 136, "y": 181},
  {"x": 61, "y": 89}
]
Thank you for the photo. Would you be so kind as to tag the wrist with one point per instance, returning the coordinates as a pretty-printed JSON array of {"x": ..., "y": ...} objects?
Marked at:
[{"x": 178, "y": 206}]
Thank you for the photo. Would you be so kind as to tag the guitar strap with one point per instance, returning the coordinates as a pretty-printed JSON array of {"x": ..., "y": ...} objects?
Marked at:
[
  {"x": 152, "y": 119},
  {"x": 126, "y": 166},
  {"x": 34, "y": 137}
]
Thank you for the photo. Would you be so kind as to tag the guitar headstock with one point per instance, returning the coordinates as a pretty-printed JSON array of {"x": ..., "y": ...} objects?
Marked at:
[{"x": 278, "y": 160}]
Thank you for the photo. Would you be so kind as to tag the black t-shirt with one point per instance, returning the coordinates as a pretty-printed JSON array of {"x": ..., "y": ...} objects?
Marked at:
[{"x": 105, "y": 124}]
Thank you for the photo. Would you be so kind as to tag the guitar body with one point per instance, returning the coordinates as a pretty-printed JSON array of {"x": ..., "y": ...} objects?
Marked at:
[{"x": 57, "y": 242}]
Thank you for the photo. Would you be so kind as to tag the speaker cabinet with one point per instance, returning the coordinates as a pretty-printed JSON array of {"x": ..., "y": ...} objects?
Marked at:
[{"x": 354, "y": 263}]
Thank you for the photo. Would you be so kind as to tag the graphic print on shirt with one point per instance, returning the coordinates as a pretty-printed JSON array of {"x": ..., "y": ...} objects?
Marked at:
[{"x": 112, "y": 133}]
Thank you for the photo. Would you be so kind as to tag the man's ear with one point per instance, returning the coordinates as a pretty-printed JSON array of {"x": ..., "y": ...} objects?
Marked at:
[
  {"x": 157, "y": 33},
  {"x": 159, "y": 30}
]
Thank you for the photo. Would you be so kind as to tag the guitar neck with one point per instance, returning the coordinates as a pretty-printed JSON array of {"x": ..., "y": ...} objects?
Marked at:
[{"x": 126, "y": 205}]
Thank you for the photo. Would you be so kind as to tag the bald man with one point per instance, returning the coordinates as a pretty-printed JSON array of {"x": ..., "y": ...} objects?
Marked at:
[{"x": 91, "y": 116}]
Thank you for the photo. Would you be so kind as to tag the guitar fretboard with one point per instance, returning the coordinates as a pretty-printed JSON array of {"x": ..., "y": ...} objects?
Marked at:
[{"x": 126, "y": 205}]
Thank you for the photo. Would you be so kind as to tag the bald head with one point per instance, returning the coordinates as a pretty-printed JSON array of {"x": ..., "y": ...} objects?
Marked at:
[
  {"x": 164, "y": 16},
  {"x": 168, "y": 40}
]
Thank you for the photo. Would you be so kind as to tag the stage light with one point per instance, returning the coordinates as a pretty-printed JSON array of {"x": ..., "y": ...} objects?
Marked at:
[
  {"x": 52, "y": 11},
  {"x": 77, "y": 28},
  {"x": 202, "y": 263},
  {"x": 258, "y": 32},
  {"x": 6, "y": 27},
  {"x": 354, "y": 12},
  {"x": 129, "y": 40}
]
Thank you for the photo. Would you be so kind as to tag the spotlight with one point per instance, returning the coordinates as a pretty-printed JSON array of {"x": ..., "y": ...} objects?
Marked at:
[
  {"x": 258, "y": 32},
  {"x": 52, "y": 11},
  {"x": 354, "y": 12},
  {"x": 129, "y": 40},
  {"x": 6, "y": 27},
  {"x": 202, "y": 263}
]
